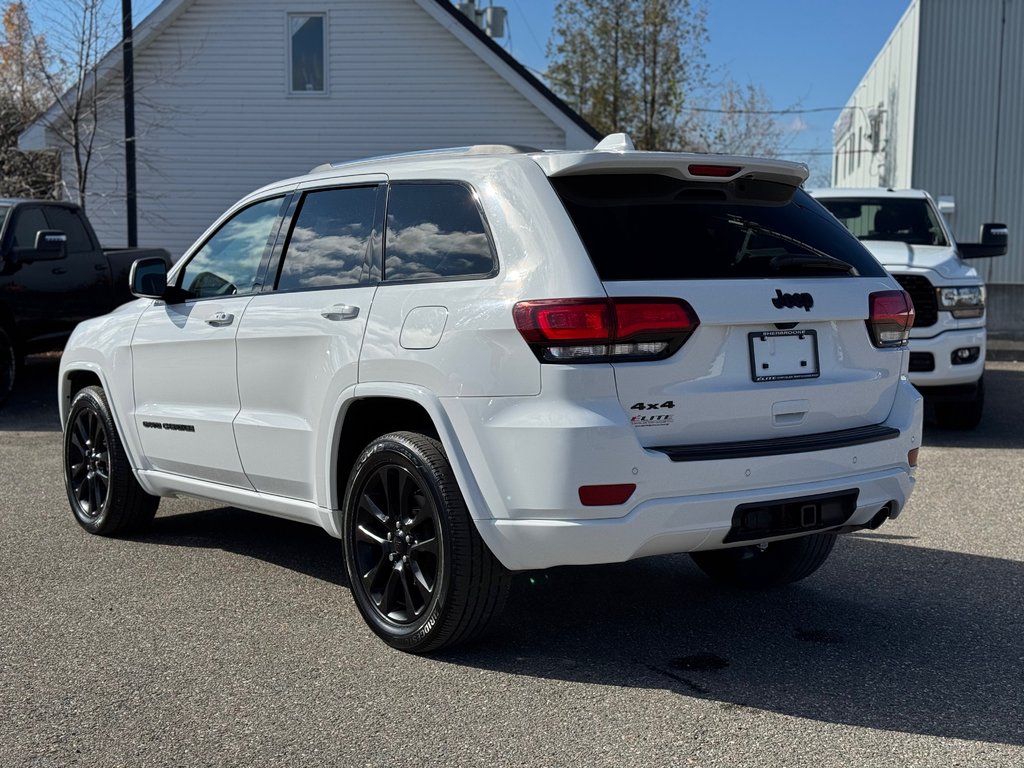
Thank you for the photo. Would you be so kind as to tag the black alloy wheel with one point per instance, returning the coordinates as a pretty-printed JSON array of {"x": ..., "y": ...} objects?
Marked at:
[
  {"x": 420, "y": 574},
  {"x": 396, "y": 544},
  {"x": 88, "y": 464},
  {"x": 105, "y": 497}
]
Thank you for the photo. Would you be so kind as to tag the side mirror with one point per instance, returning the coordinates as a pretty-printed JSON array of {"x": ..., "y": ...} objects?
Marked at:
[
  {"x": 994, "y": 242},
  {"x": 947, "y": 205},
  {"x": 50, "y": 245},
  {"x": 148, "y": 278}
]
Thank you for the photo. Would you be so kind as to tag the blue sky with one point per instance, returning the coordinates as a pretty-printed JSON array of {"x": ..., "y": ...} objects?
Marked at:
[{"x": 804, "y": 54}]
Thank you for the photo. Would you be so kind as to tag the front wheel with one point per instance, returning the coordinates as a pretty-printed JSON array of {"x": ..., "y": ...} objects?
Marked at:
[
  {"x": 767, "y": 565},
  {"x": 105, "y": 497},
  {"x": 420, "y": 574}
]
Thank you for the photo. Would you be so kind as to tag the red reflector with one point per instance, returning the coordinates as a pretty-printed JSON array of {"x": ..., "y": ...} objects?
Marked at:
[
  {"x": 718, "y": 171},
  {"x": 912, "y": 456},
  {"x": 606, "y": 495}
]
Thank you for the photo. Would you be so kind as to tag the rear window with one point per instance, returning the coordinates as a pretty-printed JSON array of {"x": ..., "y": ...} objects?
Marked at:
[
  {"x": 911, "y": 221},
  {"x": 654, "y": 227}
]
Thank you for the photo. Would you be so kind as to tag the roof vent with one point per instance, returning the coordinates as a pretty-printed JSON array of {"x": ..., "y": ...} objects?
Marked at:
[{"x": 616, "y": 142}]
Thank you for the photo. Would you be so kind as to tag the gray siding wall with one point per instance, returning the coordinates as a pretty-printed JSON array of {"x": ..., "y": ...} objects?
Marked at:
[
  {"x": 970, "y": 112},
  {"x": 215, "y": 119},
  {"x": 873, "y": 140}
]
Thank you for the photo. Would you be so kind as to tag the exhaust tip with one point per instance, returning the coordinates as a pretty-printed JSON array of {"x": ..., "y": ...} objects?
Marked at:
[{"x": 882, "y": 515}]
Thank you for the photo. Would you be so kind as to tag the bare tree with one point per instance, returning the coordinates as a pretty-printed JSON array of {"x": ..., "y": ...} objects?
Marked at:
[
  {"x": 741, "y": 122},
  {"x": 84, "y": 32},
  {"x": 630, "y": 65},
  {"x": 23, "y": 59}
]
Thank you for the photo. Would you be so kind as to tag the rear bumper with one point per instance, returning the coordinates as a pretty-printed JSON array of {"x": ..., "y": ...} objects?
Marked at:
[
  {"x": 675, "y": 524},
  {"x": 530, "y": 457}
]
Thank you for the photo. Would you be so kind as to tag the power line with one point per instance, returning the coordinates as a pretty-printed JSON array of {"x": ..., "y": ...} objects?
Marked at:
[{"x": 767, "y": 111}]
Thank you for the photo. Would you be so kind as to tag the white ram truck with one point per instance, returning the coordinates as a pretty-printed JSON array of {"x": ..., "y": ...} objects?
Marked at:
[{"x": 907, "y": 233}]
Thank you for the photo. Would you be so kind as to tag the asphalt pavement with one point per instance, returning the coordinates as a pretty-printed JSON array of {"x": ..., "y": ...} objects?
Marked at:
[{"x": 225, "y": 638}]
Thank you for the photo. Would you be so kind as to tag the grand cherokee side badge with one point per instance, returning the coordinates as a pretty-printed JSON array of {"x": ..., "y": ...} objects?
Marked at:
[{"x": 791, "y": 300}]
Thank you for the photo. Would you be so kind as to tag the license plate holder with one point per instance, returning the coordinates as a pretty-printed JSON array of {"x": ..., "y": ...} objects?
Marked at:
[{"x": 783, "y": 355}]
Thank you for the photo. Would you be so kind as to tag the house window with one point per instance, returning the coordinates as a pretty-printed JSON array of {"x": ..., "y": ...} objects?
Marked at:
[{"x": 307, "y": 52}]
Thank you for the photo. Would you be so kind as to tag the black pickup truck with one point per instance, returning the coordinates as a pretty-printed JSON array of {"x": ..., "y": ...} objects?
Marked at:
[{"x": 53, "y": 275}]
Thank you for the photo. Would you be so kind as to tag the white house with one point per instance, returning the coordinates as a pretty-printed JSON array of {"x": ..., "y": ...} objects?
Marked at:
[{"x": 233, "y": 94}]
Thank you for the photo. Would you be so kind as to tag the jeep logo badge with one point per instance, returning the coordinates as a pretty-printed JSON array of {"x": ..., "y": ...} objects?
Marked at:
[{"x": 791, "y": 300}]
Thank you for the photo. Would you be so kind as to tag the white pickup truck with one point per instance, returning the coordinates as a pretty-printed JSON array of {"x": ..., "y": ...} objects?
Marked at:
[{"x": 906, "y": 232}]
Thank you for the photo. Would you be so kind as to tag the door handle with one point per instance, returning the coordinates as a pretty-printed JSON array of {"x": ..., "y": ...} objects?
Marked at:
[
  {"x": 58, "y": 271},
  {"x": 340, "y": 312},
  {"x": 220, "y": 318}
]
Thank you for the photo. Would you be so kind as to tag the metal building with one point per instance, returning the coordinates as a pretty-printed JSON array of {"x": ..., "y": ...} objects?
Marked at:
[{"x": 942, "y": 109}]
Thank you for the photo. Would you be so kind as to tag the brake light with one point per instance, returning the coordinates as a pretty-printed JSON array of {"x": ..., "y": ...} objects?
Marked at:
[
  {"x": 716, "y": 171},
  {"x": 604, "y": 330},
  {"x": 890, "y": 317}
]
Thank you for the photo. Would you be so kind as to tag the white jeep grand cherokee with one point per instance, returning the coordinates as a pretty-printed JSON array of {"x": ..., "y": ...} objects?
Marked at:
[{"x": 468, "y": 362}]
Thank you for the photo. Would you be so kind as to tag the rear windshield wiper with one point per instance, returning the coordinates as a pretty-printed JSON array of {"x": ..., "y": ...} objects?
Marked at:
[
  {"x": 813, "y": 259},
  {"x": 809, "y": 261}
]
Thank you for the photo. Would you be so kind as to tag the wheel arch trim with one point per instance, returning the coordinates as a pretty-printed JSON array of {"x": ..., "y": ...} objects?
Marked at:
[
  {"x": 125, "y": 429},
  {"x": 329, "y": 486}
]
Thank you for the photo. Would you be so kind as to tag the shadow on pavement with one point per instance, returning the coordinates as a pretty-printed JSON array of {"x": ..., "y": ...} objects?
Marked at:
[
  {"x": 32, "y": 406},
  {"x": 1001, "y": 422},
  {"x": 885, "y": 636},
  {"x": 299, "y": 547}
]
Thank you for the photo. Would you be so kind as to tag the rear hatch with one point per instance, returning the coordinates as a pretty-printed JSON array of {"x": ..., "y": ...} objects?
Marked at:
[{"x": 780, "y": 343}]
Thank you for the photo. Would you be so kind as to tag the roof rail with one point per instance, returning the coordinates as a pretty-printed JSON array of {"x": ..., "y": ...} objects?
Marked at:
[{"x": 475, "y": 149}]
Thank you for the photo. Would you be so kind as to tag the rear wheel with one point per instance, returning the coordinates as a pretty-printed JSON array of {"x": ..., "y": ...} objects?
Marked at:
[
  {"x": 767, "y": 565},
  {"x": 9, "y": 364},
  {"x": 420, "y": 574},
  {"x": 105, "y": 497},
  {"x": 962, "y": 414}
]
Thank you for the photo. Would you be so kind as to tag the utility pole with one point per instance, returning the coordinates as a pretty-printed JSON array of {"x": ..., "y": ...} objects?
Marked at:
[{"x": 129, "y": 122}]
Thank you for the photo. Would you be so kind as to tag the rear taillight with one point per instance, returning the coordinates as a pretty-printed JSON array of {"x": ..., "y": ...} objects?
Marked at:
[
  {"x": 890, "y": 316},
  {"x": 604, "y": 330}
]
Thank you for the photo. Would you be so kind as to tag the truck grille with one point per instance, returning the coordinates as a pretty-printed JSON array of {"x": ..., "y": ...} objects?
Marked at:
[{"x": 922, "y": 292}]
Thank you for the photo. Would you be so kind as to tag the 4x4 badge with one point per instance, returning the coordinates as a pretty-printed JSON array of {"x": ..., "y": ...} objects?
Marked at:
[{"x": 791, "y": 300}]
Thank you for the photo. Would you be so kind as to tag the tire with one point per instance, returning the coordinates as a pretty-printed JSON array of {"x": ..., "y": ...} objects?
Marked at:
[
  {"x": 419, "y": 572},
  {"x": 766, "y": 566},
  {"x": 10, "y": 365},
  {"x": 962, "y": 414},
  {"x": 105, "y": 497}
]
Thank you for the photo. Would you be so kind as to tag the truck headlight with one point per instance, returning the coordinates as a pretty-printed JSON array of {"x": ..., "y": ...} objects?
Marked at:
[{"x": 963, "y": 301}]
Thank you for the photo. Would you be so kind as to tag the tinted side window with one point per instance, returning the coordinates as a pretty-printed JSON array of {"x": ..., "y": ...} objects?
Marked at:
[
  {"x": 229, "y": 262},
  {"x": 435, "y": 231},
  {"x": 27, "y": 222},
  {"x": 654, "y": 227},
  {"x": 68, "y": 222},
  {"x": 329, "y": 240}
]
